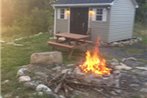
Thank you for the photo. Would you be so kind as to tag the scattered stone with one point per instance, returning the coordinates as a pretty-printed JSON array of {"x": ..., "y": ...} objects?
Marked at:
[
  {"x": 17, "y": 97},
  {"x": 18, "y": 39},
  {"x": 133, "y": 63},
  {"x": 142, "y": 68},
  {"x": 43, "y": 88},
  {"x": 130, "y": 58},
  {"x": 70, "y": 65},
  {"x": 62, "y": 39},
  {"x": 134, "y": 85},
  {"x": 24, "y": 78},
  {"x": 40, "y": 33},
  {"x": 139, "y": 38},
  {"x": 61, "y": 96},
  {"x": 40, "y": 93},
  {"x": 6, "y": 81},
  {"x": 9, "y": 95},
  {"x": 41, "y": 74},
  {"x": 31, "y": 84},
  {"x": 122, "y": 67},
  {"x": 22, "y": 71},
  {"x": 2, "y": 41},
  {"x": 114, "y": 44},
  {"x": 114, "y": 63},
  {"x": 115, "y": 60},
  {"x": 144, "y": 90},
  {"x": 145, "y": 84},
  {"x": 47, "y": 58},
  {"x": 143, "y": 73},
  {"x": 14, "y": 44}
]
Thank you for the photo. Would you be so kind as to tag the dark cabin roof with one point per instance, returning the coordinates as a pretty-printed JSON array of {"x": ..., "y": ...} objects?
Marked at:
[
  {"x": 86, "y": 2},
  {"x": 82, "y": 1}
]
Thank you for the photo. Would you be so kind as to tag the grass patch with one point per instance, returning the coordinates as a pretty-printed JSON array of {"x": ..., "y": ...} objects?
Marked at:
[
  {"x": 13, "y": 57},
  {"x": 134, "y": 51},
  {"x": 140, "y": 30}
]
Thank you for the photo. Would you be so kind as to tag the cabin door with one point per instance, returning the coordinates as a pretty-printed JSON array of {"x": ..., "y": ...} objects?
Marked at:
[{"x": 79, "y": 20}]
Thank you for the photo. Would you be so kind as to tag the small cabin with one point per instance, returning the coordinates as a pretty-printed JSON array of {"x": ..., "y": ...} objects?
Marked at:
[{"x": 107, "y": 20}]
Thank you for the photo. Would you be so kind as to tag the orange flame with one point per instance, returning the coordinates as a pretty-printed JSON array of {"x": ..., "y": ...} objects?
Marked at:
[{"x": 95, "y": 63}]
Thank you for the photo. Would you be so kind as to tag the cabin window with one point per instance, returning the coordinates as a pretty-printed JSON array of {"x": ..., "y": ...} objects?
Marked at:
[
  {"x": 100, "y": 14},
  {"x": 62, "y": 15}
]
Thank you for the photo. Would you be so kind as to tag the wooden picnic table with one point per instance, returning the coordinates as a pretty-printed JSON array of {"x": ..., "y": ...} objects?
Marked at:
[{"x": 77, "y": 38}]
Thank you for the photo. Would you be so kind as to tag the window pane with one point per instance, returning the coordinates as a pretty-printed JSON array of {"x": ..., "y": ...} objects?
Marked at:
[
  {"x": 62, "y": 10},
  {"x": 99, "y": 11},
  {"x": 62, "y": 16},
  {"x": 62, "y": 13},
  {"x": 98, "y": 17}
]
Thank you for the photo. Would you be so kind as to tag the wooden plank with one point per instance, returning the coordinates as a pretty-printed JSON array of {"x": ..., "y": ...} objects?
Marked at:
[
  {"x": 60, "y": 44},
  {"x": 72, "y": 36},
  {"x": 86, "y": 41}
]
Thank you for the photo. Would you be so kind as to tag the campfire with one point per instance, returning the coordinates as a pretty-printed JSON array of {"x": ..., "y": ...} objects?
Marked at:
[{"x": 94, "y": 63}]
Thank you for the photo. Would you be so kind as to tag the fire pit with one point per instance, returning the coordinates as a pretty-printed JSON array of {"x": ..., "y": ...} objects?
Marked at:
[{"x": 93, "y": 76}]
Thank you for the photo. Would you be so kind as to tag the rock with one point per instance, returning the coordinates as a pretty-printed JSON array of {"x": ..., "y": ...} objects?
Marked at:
[
  {"x": 31, "y": 84},
  {"x": 17, "y": 97},
  {"x": 134, "y": 85},
  {"x": 19, "y": 38},
  {"x": 6, "y": 81},
  {"x": 139, "y": 38},
  {"x": 43, "y": 88},
  {"x": 46, "y": 58},
  {"x": 22, "y": 71},
  {"x": 52, "y": 95},
  {"x": 1, "y": 41},
  {"x": 41, "y": 74},
  {"x": 133, "y": 63},
  {"x": 143, "y": 73},
  {"x": 9, "y": 95},
  {"x": 24, "y": 78},
  {"x": 145, "y": 84},
  {"x": 40, "y": 93},
  {"x": 115, "y": 60},
  {"x": 114, "y": 63},
  {"x": 142, "y": 68},
  {"x": 122, "y": 67},
  {"x": 14, "y": 44},
  {"x": 144, "y": 90},
  {"x": 62, "y": 39},
  {"x": 114, "y": 44},
  {"x": 70, "y": 65},
  {"x": 40, "y": 33},
  {"x": 130, "y": 58},
  {"x": 61, "y": 96}
]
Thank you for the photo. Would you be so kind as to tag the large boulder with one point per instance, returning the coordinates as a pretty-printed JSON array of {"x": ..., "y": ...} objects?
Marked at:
[{"x": 46, "y": 58}]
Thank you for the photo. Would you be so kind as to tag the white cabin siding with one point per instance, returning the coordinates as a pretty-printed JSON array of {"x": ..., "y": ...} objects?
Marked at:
[
  {"x": 61, "y": 24},
  {"x": 121, "y": 20}
]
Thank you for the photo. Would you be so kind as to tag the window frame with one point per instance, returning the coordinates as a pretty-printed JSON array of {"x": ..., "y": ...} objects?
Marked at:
[
  {"x": 62, "y": 13},
  {"x": 99, "y": 13},
  {"x": 103, "y": 14}
]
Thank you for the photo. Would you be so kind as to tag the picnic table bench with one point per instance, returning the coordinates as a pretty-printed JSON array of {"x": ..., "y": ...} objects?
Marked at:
[{"x": 61, "y": 45}]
